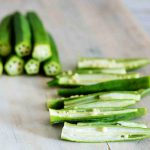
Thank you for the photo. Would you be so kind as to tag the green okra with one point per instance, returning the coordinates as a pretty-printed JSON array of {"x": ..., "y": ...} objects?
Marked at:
[
  {"x": 32, "y": 66},
  {"x": 103, "y": 70},
  {"x": 127, "y": 63},
  {"x": 103, "y": 133},
  {"x": 22, "y": 35},
  {"x": 114, "y": 85},
  {"x": 83, "y": 115},
  {"x": 77, "y": 79},
  {"x": 1, "y": 67},
  {"x": 84, "y": 99},
  {"x": 118, "y": 123},
  {"x": 14, "y": 65},
  {"x": 5, "y": 36},
  {"x": 52, "y": 66},
  {"x": 41, "y": 46}
]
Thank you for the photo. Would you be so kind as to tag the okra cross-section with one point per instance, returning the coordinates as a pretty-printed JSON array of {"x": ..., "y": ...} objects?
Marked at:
[
  {"x": 103, "y": 133},
  {"x": 22, "y": 35},
  {"x": 41, "y": 45},
  {"x": 78, "y": 79},
  {"x": 5, "y": 36},
  {"x": 83, "y": 115},
  {"x": 52, "y": 66},
  {"x": 14, "y": 65},
  {"x": 128, "y": 63},
  {"x": 114, "y": 85},
  {"x": 32, "y": 66}
]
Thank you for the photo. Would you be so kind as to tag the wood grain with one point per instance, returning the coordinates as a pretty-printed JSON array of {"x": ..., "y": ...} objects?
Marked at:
[{"x": 102, "y": 28}]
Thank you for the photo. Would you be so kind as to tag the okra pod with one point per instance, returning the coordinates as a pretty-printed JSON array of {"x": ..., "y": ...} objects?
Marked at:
[
  {"x": 87, "y": 79},
  {"x": 84, "y": 99},
  {"x": 128, "y": 64},
  {"x": 52, "y": 66},
  {"x": 32, "y": 66},
  {"x": 114, "y": 85},
  {"x": 103, "y": 133},
  {"x": 14, "y": 65},
  {"x": 103, "y": 70},
  {"x": 83, "y": 115},
  {"x": 5, "y": 36},
  {"x": 41, "y": 46},
  {"x": 1, "y": 67},
  {"x": 118, "y": 123},
  {"x": 22, "y": 35}
]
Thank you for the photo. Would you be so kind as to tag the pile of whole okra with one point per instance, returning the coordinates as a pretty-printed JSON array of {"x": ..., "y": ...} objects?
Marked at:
[{"x": 98, "y": 95}]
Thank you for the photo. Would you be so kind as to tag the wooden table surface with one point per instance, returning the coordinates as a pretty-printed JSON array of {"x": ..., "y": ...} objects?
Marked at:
[{"x": 102, "y": 28}]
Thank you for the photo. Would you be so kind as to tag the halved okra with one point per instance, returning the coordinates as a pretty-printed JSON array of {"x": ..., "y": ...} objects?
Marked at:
[
  {"x": 22, "y": 35},
  {"x": 52, "y": 66},
  {"x": 118, "y": 123},
  {"x": 87, "y": 79},
  {"x": 32, "y": 66},
  {"x": 103, "y": 133},
  {"x": 83, "y": 115},
  {"x": 127, "y": 63},
  {"x": 84, "y": 99},
  {"x": 41, "y": 45},
  {"x": 114, "y": 85},
  {"x": 5, "y": 36},
  {"x": 103, "y": 70},
  {"x": 14, "y": 65}
]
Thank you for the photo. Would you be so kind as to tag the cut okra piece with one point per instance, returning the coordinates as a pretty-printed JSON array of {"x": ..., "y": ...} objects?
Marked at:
[
  {"x": 5, "y": 36},
  {"x": 127, "y": 63},
  {"x": 83, "y": 115},
  {"x": 87, "y": 79},
  {"x": 22, "y": 35},
  {"x": 114, "y": 85},
  {"x": 118, "y": 123},
  {"x": 1, "y": 67},
  {"x": 41, "y": 45},
  {"x": 52, "y": 66},
  {"x": 84, "y": 99},
  {"x": 103, "y": 133},
  {"x": 103, "y": 70},
  {"x": 32, "y": 66},
  {"x": 14, "y": 65},
  {"x": 101, "y": 104}
]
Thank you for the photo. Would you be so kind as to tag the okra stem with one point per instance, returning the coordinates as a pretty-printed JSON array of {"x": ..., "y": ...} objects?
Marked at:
[{"x": 114, "y": 85}]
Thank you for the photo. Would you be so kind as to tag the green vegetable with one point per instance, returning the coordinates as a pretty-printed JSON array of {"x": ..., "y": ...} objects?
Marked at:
[
  {"x": 103, "y": 133},
  {"x": 103, "y": 70},
  {"x": 22, "y": 35},
  {"x": 118, "y": 123},
  {"x": 86, "y": 79},
  {"x": 144, "y": 92},
  {"x": 41, "y": 46},
  {"x": 83, "y": 115},
  {"x": 32, "y": 66},
  {"x": 5, "y": 36},
  {"x": 114, "y": 85},
  {"x": 84, "y": 99},
  {"x": 52, "y": 66},
  {"x": 14, "y": 65},
  {"x": 1, "y": 67},
  {"x": 128, "y": 64}
]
